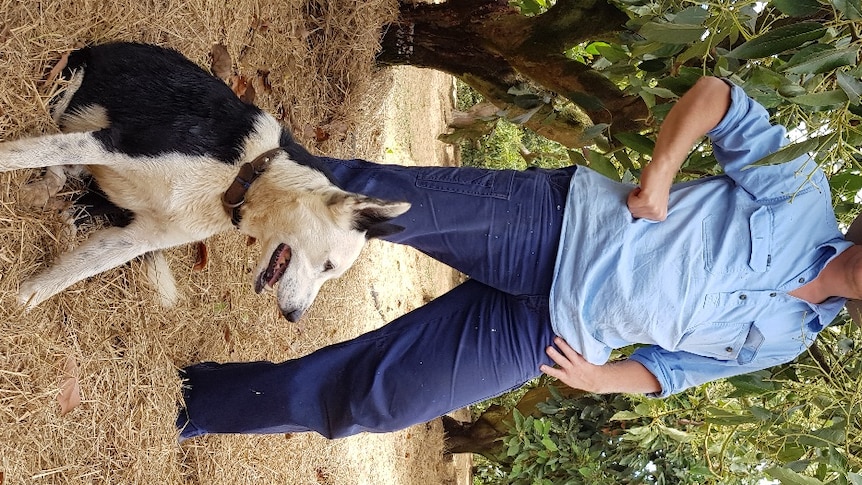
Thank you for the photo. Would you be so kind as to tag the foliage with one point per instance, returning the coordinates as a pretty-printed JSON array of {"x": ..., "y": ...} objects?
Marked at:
[
  {"x": 509, "y": 145},
  {"x": 798, "y": 423}
]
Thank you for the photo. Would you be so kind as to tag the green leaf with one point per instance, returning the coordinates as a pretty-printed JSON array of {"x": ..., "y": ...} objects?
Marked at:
[
  {"x": 825, "y": 61},
  {"x": 672, "y": 33},
  {"x": 654, "y": 65},
  {"x": 691, "y": 16},
  {"x": 851, "y": 9},
  {"x": 636, "y": 142},
  {"x": 807, "y": 52},
  {"x": 722, "y": 417},
  {"x": 530, "y": 7},
  {"x": 854, "y": 478},
  {"x": 779, "y": 40},
  {"x": 797, "y": 8},
  {"x": 594, "y": 131},
  {"x": 851, "y": 86},
  {"x": 795, "y": 150},
  {"x": 612, "y": 52},
  {"x": 586, "y": 101},
  {"x": 549, "y": 444},
  {"x": 825, "y": 99},
  {"x": 602, "y": 165},
  {"x": 625, "y": 416},
  {"x": 528, "y": 100},
  {"x": 752, "y": 383},
  {"x": 675, "y": 434},
  {"x": 789, "y": 477},
  {"x": 660, "y": 92},
  {"x": 846, "y": 182}
]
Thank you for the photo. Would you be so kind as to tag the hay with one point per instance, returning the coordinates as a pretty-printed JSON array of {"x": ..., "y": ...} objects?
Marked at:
[{"x": 126, "y": 348}]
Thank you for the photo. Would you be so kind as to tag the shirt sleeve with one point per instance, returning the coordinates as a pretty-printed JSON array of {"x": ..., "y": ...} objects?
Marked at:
[
  {"x": 678, "y": 371},
  {"x": 744, "y": 136}
]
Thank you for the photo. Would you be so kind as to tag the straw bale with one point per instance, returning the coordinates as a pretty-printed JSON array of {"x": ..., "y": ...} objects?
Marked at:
[{"x": 127, "y": 349}]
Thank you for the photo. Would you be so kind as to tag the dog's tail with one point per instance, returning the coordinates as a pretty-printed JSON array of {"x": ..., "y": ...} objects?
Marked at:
[{"x": 161, "y": 278}]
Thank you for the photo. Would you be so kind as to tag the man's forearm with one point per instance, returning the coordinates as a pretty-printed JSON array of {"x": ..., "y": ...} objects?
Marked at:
[
  {"x": 627, "y": 376},
  {"x": 697, "y": 112},
  {"x": 700, "y": 110}
]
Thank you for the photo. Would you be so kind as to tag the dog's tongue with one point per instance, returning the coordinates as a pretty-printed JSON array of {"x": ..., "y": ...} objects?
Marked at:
[{"x": 275, "y": 270}]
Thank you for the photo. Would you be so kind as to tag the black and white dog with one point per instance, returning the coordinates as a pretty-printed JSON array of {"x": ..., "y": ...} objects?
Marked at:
[{"x": 175, "y": 147}]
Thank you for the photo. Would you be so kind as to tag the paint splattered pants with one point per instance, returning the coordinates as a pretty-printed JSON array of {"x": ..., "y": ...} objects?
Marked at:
[{"x": 479, "y": 340}]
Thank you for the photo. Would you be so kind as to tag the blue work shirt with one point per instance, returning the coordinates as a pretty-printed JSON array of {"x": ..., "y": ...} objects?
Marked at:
[{"x": 707, "y": 288}]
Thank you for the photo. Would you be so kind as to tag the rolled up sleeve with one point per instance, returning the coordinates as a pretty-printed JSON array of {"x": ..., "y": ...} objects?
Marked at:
[
  {"x": 744, "y": 136},
  {"x": 678, "y": 371}
]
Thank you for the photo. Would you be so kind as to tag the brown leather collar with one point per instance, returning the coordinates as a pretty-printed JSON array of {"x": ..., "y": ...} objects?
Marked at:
[{"x": 234, "y": 196}]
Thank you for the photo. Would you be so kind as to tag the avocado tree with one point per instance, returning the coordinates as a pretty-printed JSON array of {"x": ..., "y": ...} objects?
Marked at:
[{"x": 603, "y": 73}]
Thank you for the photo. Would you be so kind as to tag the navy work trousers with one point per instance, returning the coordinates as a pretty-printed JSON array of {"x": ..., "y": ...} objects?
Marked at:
[{"x": 479, "y": 340}]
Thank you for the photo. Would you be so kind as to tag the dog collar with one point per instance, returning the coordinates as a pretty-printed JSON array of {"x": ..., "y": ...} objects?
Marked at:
[{"x": 234, "y": 196}]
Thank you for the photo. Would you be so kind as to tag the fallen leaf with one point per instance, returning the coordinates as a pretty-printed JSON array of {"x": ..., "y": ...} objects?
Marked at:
[
  {"x": 221, "y": 63},
  {"x": 322, "y": 476},
  {"x": 320, "y": 135},
  {"x": 247, "y": 96},
  {"x": 239, "y": 85},
  {"x": 201, "y": 258},
  {"x": 70, "y": 389}
]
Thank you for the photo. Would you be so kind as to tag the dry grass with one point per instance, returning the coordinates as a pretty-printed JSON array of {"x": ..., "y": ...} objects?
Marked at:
[{"x": 126, "y": 347}]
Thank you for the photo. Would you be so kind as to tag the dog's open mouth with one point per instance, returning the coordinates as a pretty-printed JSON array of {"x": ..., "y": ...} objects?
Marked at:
[{"x": 278, "y": 263}]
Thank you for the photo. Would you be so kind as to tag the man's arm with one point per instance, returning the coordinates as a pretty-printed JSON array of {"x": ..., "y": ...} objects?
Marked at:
[
  {"x": 697, "y": 112},
  {"x": 627, "y": 376}
]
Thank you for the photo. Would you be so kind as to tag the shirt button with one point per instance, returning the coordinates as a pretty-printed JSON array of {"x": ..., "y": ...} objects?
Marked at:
[
  {"x": 743, "y": 297},
  {"x": 773, "y": 294},
  {"x": 728, "y": 349},
  {"x": 802, "y": 280}
]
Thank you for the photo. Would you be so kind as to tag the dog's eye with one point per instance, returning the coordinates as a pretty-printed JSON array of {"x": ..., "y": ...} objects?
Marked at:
[{"x": 327, "y": 266}]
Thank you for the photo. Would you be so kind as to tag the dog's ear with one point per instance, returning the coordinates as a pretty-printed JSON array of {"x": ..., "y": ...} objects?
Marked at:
[{"x": 372, "y": 215}]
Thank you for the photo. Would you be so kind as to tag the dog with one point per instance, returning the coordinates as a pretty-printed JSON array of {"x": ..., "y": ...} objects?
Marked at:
[{"x": 184, "y": 158}]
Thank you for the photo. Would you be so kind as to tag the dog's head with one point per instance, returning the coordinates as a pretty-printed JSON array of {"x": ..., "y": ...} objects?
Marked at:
[{"x": 310, "y": 231}]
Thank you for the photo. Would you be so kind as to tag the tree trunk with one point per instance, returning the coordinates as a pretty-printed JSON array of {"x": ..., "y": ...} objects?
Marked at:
[{"x": 492, "y": 47}]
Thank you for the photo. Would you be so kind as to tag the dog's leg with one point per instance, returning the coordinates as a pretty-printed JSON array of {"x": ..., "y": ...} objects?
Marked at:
[
  {"x": 105, "y": 249},
  {"x": 161, "y": 278},
  {"x": 52, "y": 150}
]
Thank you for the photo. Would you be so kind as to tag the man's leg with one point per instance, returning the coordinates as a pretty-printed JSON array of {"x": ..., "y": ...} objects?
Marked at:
[
  {"x": 470, "y": 344},
  {"x": 500, "y": 227}
]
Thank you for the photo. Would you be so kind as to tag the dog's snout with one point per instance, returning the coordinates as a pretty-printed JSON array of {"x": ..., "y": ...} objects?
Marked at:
[{"x": 292, "y": 315}]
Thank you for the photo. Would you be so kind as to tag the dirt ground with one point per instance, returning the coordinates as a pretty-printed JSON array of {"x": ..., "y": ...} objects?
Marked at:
[{"x": 125, "y": 349}]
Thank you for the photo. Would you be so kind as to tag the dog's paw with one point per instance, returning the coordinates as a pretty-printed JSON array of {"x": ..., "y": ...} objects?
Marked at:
[
  {"x": 30, "y": 295},
  {"x": 40, "y": 194}
]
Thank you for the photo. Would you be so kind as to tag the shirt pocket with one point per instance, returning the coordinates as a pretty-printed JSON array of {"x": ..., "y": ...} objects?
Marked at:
[
  {"x": 738, "y": 341},
  {"x": 731, "y": 247},
  {"x": 469, "y": 181}
]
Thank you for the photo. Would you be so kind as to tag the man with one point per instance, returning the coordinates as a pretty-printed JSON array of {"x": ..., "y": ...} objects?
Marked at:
[{"x": 720, "y": 276}]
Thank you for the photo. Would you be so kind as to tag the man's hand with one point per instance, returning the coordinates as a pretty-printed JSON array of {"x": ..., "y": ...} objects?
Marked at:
[
  {"x": 573, "y": 371},
  {"x": 626, "y": 376},
  {"x": 649, "y": 201},
  {"x": 645, "y": 204}
]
